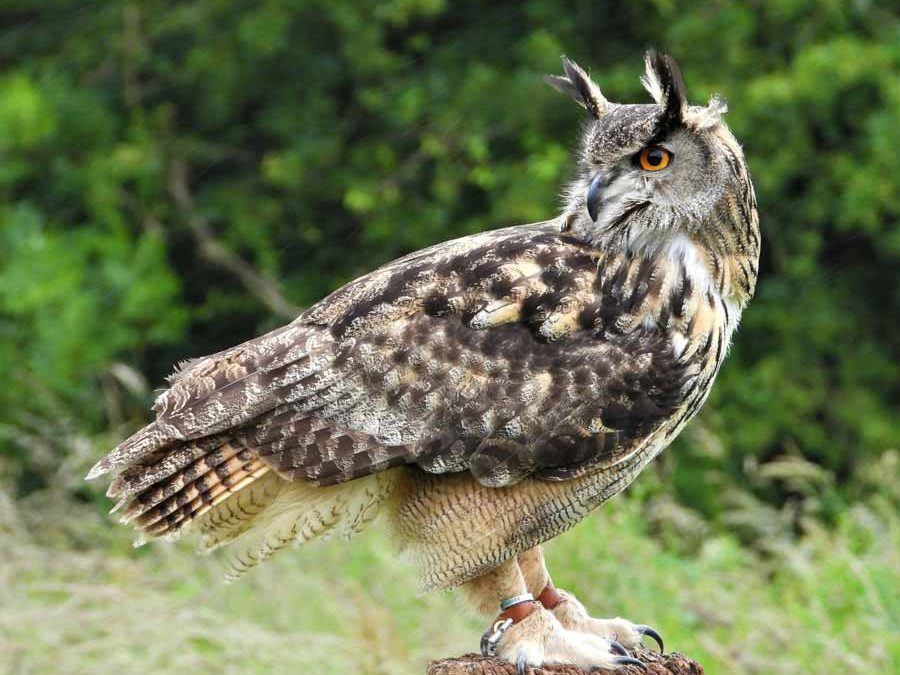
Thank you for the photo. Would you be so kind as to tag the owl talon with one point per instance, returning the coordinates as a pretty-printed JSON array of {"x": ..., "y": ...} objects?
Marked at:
[
  {"x": 492, "y": 635},
  {"x": 520, "y": 662},
  {"x": 617, "y": 648},
  {"x": 651, "y": 632},
  {"x": 629, "y": 661}
]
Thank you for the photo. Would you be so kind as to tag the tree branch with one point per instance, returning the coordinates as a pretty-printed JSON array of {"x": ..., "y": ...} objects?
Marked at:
[{"x": 264, "y": 288}]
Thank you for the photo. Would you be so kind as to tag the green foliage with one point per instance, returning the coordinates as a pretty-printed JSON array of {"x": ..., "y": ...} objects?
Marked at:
[{"x": 320, "y": 139}]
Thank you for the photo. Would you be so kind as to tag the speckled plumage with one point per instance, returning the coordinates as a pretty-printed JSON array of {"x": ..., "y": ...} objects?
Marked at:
[{"x": 487, "y": 392}]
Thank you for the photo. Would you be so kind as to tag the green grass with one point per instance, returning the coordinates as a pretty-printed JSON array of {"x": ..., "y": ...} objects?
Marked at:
[{"x": 75, "y": 598}]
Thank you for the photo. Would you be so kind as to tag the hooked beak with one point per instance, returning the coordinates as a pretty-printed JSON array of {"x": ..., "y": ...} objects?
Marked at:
[{"x": 593, "y": 196}]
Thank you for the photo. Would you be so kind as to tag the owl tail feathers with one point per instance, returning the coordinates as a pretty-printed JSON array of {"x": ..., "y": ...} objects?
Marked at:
[{"x": 168, "y": 489}]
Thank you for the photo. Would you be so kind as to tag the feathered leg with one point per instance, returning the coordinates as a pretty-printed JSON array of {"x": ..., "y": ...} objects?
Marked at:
[
  {"x": 525, "y": 633},
  {"x": 570, "y": 612}
]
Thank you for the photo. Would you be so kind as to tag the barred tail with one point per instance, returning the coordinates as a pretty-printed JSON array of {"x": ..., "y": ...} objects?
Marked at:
[{"x": 169, "y": 489}]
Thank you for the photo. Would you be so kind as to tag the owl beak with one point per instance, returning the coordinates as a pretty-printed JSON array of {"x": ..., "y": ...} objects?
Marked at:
[{"x": 593, "y": 196}]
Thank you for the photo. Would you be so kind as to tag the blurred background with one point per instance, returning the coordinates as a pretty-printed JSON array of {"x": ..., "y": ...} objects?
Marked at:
[{"x": 176, "y": 177}]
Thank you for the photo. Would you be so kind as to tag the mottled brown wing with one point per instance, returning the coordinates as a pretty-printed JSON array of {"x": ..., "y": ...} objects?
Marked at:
[{"x": 506, "y": 355}]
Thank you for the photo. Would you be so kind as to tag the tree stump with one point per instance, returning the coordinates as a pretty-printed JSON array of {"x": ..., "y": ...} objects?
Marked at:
[{"x": 475, "y": 664}]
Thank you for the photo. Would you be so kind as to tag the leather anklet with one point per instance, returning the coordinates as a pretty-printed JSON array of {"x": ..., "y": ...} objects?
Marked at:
[
  {"x": 550, "y": 597},
  {"x": 517, "y": 608}
]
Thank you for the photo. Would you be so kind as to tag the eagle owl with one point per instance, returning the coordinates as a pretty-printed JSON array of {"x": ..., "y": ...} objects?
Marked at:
[{"x": 484, "y": 394}]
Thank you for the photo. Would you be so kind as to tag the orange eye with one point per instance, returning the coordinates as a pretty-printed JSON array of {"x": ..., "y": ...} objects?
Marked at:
[{"x": 654, "y": 158}]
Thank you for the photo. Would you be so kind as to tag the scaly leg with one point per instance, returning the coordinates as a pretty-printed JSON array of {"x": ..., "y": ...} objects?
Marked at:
[
  {"x": 525, "y": 633},
  {"x": 570, "y": 612}
]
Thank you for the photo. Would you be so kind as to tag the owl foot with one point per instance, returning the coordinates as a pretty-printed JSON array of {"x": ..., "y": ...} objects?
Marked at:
[
  {"x": 540, "y": 639},
  {"x": 573, "y": 616}
]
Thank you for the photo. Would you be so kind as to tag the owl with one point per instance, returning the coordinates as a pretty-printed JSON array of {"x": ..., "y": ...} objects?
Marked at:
[{"x": 485, "y": 394}]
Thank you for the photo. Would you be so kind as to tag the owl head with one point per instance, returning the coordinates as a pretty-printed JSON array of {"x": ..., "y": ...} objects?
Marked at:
[{"x": 648, "y": 172}]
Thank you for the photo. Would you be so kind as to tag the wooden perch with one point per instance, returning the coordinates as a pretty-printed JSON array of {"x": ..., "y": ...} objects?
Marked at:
[{"x": 475, "y": 664}]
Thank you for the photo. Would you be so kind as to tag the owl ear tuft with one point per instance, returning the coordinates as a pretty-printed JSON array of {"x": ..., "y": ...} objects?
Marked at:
[
  {"x": 662, "y": 78},
  {"x": 578, "y": 85}
]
